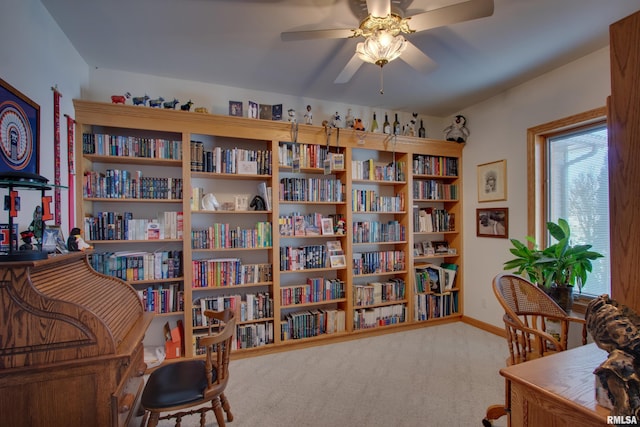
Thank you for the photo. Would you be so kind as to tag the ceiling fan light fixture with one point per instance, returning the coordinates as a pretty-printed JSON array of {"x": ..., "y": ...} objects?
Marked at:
[{"x": 381, "y": 48}]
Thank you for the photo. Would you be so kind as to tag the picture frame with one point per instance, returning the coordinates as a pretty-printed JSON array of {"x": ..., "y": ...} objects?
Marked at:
[
  {"x": 252, "y": 110},
  {"x": 19, "y": 131},
  {"x": 235, "y": 108},
  {"x": 492, "y": 181},
  {"x": 337, "y": 261},
  {"x": 241, "y": 202},
  {"x": 53, "y": 240},
  {"x": 327, "y": 226},
  {"x": 492, "y": 222},
  {"x": 440, "y": 247}
]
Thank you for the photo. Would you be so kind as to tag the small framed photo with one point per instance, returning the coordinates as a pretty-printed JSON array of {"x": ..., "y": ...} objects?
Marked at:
[
  {"x": 440, "y": 247},
  {"x": 276, "y": 112},
  {"x": 492, "y": 181},
  {"x": 417, "y": 249},
  {"x": 235, "y": 108},
  {"x": 252, "y": 112},
  {"x": 241, "y": 202},
  {"x": 337, "y": 261},
  {"x": 427, "y": 248},
  {"x": 493, "y": 222},
  {"x": 327, "y": 226},
  {"x": 53, "y": 240},
  {"x": 266, "y": 112}
]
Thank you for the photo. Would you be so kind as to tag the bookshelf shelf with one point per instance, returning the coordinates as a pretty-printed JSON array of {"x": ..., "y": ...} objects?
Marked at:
[{"x": 213, "y": 149}]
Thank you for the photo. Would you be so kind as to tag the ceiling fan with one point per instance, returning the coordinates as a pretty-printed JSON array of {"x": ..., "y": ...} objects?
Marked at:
[{"x": 383, "y": 30}]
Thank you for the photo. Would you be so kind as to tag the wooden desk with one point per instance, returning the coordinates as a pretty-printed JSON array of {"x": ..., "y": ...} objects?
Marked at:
[{"x": 557, "y": 390}]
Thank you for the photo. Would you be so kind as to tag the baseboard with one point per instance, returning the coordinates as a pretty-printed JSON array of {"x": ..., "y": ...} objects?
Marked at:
[{"x": 488, "y": 327}]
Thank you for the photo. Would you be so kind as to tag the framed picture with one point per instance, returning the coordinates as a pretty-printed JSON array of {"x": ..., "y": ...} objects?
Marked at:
[
  {"x": 252, "y": 112},
  {"x": 19, "y": 131},
  {"x": 53, "y": 240},
  {"x": 235, "y": 108},
  {"x": 492, "y": 181},
  {"x": 440, "y": 247},
  {"x": 338, "y": 261},
  {"x": 241, "y": 202},
  {"x": 493, "y": 222},
  {"x": 327, "y": 226}
]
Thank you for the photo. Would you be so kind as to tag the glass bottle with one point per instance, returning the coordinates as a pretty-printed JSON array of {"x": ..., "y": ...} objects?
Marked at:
[
  {"x": 374, "y": 124},
  {"x": 396, "y": 126},
  {"x": 422, "y": 132},
  {"x": 386, "y": 127}
]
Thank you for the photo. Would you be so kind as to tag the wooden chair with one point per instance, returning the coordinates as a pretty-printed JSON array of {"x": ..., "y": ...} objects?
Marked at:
[
  {"x": 528, "y": 310},
  {"x": 191, "y": 383}
]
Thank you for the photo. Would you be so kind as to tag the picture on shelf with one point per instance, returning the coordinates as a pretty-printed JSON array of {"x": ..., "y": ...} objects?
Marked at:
[
  {"x": 266, "y": 113},
  {"x": 417, "y": 249},
  {"x": 252, "y": 111},
  {"x": 327, "y": 226},
  {"x": 235, "y": 108},
  {"x": 53, "y": 240},
  {"x": 338, "y": 261},
  {"x": 440, "y": 247},
  {"x": 427, "y": 248},
  {"x": 276, "y": 112}
]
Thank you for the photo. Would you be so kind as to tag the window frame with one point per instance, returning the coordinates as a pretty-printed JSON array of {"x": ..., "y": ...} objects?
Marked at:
[{"x": 537, "y": 184}]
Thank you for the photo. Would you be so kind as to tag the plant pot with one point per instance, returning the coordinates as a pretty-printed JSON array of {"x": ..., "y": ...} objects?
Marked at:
[{"x": 563, "y": 295}]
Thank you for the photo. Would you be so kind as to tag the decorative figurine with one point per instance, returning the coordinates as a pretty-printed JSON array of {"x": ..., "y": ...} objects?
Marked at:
[
  {"x": 120, "y": 99},
  {"x": 339, "y": 228},
  {"x": 75, "y": 242},
  {"x": 26, "y": 238},
  {"x": 457, "y": 131},
  {"x": 308, "y": 116},
  {"x": 156, "y": 103},
  {"x": 187, "y": 106},
  {"x": 410, "y": 129},
  {"x": 349, "y": 121},
  {"x": 358, "y": 125},
  {"x": 292, "y": 115},
  {"x": 616, "y": 329},
  {"x": 171, "y": 104},
  {"x": 258, "y": 204},
  {"x": 201, "y": 110},
  {"x": 37, "y": 226},
  {"x": 335, "y": 121},
  {"x": 140, "y": 100}
]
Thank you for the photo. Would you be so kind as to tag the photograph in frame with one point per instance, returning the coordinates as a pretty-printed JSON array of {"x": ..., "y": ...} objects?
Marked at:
[
  {"x": 492, "y": 222},
  {"x": 235, "y": 108},
  {"x": 492, "y": 181},
  {"x": 19, "y": 131}
]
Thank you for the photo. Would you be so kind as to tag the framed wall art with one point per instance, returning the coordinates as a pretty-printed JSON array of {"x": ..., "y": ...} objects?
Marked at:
[
  {"x": 492, "y": 181},
  {"x": 19, "y": 131},
  {"x": 492, "y": 222}
]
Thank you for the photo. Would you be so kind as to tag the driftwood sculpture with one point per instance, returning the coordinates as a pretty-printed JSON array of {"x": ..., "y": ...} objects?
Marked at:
[{"x": 616, "y": 329}]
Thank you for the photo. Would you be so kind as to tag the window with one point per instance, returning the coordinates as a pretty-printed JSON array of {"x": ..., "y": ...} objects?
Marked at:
[{"x": 569, "y": 167}]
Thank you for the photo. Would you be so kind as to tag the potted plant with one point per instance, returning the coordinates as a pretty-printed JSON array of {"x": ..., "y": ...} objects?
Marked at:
[{"x": 559, "y": 267}]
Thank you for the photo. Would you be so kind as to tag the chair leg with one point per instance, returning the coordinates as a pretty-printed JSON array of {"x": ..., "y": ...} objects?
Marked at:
[
  {"x": 217, "y": 409},
  {"x": 493, "y": 413},
  {"x": 226, "y": 407},
  {"x": 153, "y": 419}
]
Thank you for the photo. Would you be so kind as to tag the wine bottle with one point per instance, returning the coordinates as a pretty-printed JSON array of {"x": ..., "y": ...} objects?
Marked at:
[
  {"x": 386, "y": 126},
  {"x": 374, "y": 124},
  {"x": 422, "y": 132},
  {"x": 396, "y": 126}
]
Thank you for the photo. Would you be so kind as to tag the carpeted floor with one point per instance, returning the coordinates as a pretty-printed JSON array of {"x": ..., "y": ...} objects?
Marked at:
[{"x": 439, "y": 376}]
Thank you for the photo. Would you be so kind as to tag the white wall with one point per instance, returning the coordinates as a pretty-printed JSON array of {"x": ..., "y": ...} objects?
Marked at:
[
  {"x": 36, "y": 55},
  {"x": 499, "y": 131}
]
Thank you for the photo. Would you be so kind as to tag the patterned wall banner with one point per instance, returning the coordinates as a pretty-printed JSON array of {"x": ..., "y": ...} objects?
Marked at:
[
  {"x": 72, "y": 170},
  {"x": 56, "y": 153}
]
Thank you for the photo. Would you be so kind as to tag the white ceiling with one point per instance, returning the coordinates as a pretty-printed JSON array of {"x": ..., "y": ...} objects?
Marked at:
[{"x": 237, "y": 43}]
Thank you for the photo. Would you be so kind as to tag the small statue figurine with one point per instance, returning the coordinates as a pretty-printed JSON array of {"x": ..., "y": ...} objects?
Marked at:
[
  {"x": 335, "y": 121},
  {"x": 349, "y": 121},
  {"x": 457, "y": 131},
  {"x": 616, "y": 329},
  {"x": 292, "y": 115},
  {"x": 75, "y": 242},
  {"x": 339, "y": 227},
  {"x": 308, "y": 116},
  {"x": 26, "y": 238},
  {"x": 37, "y": 225}
]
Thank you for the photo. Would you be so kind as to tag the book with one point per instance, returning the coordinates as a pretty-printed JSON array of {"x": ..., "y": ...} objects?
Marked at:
[
  {"x": 265, "y": 193},
  {"x": 153, "y": 231}
]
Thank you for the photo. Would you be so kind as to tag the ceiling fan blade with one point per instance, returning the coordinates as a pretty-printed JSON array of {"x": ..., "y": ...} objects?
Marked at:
[
  {"x": 349, "y": 70},
  {"x": 417, "y": 59},
  {"x": 316, "y": 34},
  {"x": 379, "y": 8},
  {"x": 459, "y": 12}
]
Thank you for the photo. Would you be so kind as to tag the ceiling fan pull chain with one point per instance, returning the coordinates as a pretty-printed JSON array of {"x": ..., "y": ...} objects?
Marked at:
[{"x": 381, "y": 81}]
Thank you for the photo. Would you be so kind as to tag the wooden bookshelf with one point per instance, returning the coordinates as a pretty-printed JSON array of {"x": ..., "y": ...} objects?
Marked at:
[{"x": 392, "y": 219}]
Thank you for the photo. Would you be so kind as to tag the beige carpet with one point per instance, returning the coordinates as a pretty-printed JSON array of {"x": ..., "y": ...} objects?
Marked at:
[{"x": 442, "y": 375}]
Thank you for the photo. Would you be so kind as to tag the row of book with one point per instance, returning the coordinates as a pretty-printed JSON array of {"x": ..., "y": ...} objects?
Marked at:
[
  {"x": 245, "y": 336},
  {"x": 162, "y": 298},
  {"x": 230, "y": 160},
  {"x": 434, "y": 190},
  {"x": 113, "y": 225},
  {"x": 379, "y": 292},
  {"x": 131, "y": 146},
  {"x": 302, "y": 257},
  {"x": 316, "y": 289},
  {"x": 378, "y": 262},
  {"x": 433, "y": 306},
  {"x": 225, "y": 236},
  {"x": 251, "y": 306},
  {"x": 371, "y": 201},
  {"x": 377, "y": 171},
  {"x": 307, "y": 155},
  {"x": 311, "y": 190},
  {"x": 220, "y": 272},
  {"x": 312, "y": 323},
  {"x": 134, "y": 266},
  {"x": 435, "y": 278},
  {"x": 123, "y": 184},
  {"x": 435, "y": 165},
  {"x": 429, "y": 220},
  {"x": 373, "y": 317},
  {"x": 376, "y": 231}
]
